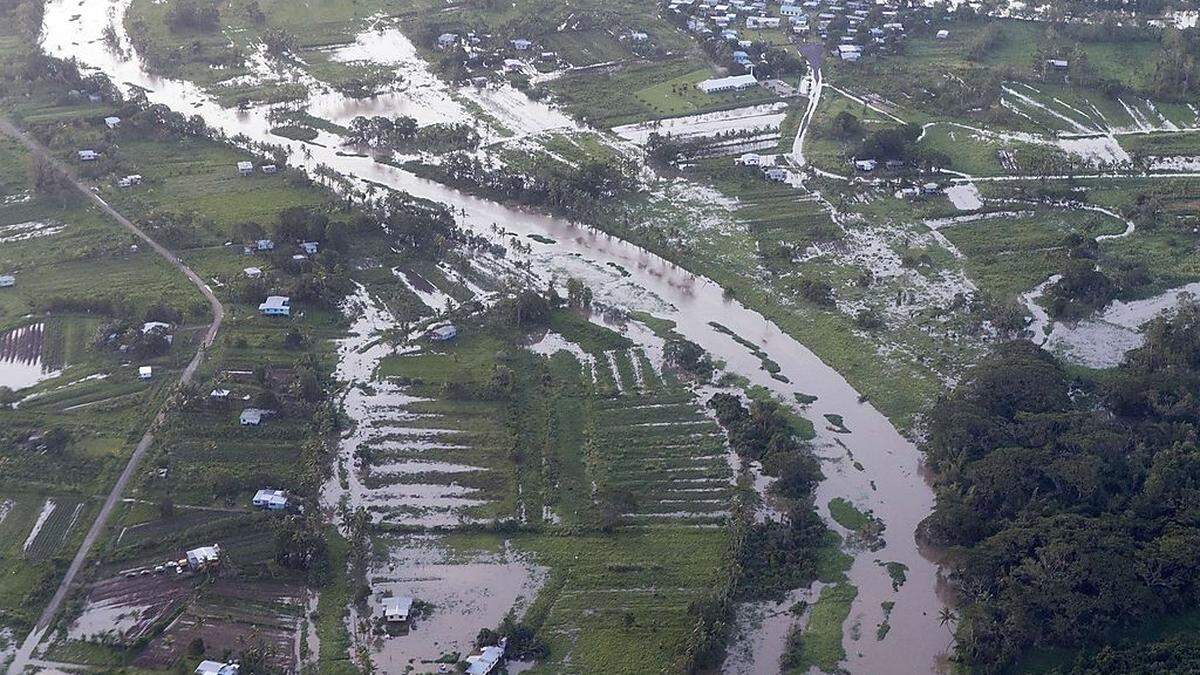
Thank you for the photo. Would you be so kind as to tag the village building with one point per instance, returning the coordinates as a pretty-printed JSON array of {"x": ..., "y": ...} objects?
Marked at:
[
  {"x": 396, "y": 609},
  {"x": 217, "y": 668},
  {"x": 88, "y": 155},
  {"x": 776, "y": 174},
  {"x": 791, "y": 10},
  {"x": 253, "y": 272},
  {"x": 112, "y": 122},
  {"x": 270, "y": 168},
  {"x": 145, "y": 373},
  {"x": 1058, "y": 64},
  {"x": 521, "y": 44},
  {"x": 731, "y": 83},
  {"x": 265, "y": 245},
  {"x": 271, "y": 500},
  {"x": 251, "y": 417},
  {"x": 513, "y": 65},
  {"x": 637, "y": 36},
  {"x": 310, "y": 247},
  {"x": 204, "y": 558},
  {"x": 943, "y": 34},
  {"x": 220, "y": 394},
  {"x": 486, "y": 660},
  {"x": 130, "y": 180},
  {"x": 865, "y": 164},
  {"x": 7, "y": 281},
  {"x": 276, "y": 305},
  {"x": 245, "y": 168},
  {"x": 849, "y": 52},
  {"x": 447, "y": 40}
]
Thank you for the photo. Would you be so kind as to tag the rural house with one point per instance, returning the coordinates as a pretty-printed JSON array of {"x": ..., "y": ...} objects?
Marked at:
[
  {"x": 7, "y": 281},
  {"x": 310, "y": 247},
  {"x": 447, "y": 40},
  {"x": 272, "y": 500},
  {"x": 270, "y": 168},
  {"x": 88, "y": 155},
  {"x": 145, "y": 373},
  {"x": 253, "y": 272},
  {"x": 112, "y": 122},
  {"x": 130, "y": 180},
  {"x": 265, "y": 245},
  {"x": 487, "y": 659},
  {"x": 220, "y": 394},
  {"x": 276, "y": 305},
  {"x": 521, "y": 44},
  {"x": 217, "y": 668},
  {"x": 245, "y": 168},
  {"x": 251, "y": 417},
  {"x": 396, "y": 609},
  {"x": 203, "y": 558}
]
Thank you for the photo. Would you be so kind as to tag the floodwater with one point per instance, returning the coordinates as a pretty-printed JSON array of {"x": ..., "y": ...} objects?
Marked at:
[
  {"x": 21, "y": 358},
  {"x": 890, "y": 482}
]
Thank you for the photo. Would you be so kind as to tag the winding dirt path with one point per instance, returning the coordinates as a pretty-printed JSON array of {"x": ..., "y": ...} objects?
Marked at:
[{"x": 33, "y": 639}]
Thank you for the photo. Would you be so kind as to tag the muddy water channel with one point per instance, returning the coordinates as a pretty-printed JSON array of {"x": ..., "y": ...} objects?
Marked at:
[{"x": 867, "y": 460}]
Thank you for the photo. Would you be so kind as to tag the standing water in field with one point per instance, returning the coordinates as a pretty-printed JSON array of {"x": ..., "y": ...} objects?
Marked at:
[
  {"x": 21, "y": 363},
  {"x": 870, "y": 463}
]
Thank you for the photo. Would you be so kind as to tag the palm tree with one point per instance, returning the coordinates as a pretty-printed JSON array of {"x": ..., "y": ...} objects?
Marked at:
[{"x": 946, "y": 616}]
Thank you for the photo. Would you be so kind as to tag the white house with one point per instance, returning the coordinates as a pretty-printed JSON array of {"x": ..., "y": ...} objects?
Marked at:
[
  {"x": 849, "y": 52},
  {"x": 731, "y": 83},
  {"x": 220, "y": 394},
  {"x": 865, "y": 164},
  {"x": 112, "y": 122},
  {"x": 217, "y": 668},
  {"x": 638, "y": 36},
  {"x": 276, "y": 305},
  {"x": 130, "y": 180},
  {"x": 204, "y": 558},
  {"x": 88, "y": 155},
  {"x": 791, "y": 10},
  {"x": 776, "y": 174},
  {"x": 521, "y": 44},
  {"x": 487, "y": 659},
  {"x": 253, "y": 272},
  {"x": 1058, "y": 64},
  {"x": 7, "y": 281},
  {"x": 943, "y": 34},
  {"x": 265, "y": 245},
  {"x": 145, "y": 373},
  {"x": 272, "y": 500},
  {"x": 447, "y": 40},
  {"x": 270, "y": 168},
  {"x": 245, "y": 168},
  {"x": 749, "y": 159},
  {"x": 310, "y": 247},
  {"x": 512, "y": 65},
  {"x": 443, "y": 333},
  {"x": 251, "y": 417},
  {"x": 396, "y": 609}
]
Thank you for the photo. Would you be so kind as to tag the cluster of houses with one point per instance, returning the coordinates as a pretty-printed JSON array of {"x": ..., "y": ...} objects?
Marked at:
[
  {"x": 851, "y": 22},
  {"x": 483, "y": 51},
  {"x": 766, "y": 163},
  {"x": 246, "y": 168}
]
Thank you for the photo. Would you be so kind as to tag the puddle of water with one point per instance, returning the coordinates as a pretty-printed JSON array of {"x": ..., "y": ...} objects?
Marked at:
[{"x": 44, "y": 515}]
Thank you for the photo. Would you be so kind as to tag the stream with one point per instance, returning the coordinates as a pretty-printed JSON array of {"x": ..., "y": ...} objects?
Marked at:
[{"x": 868, "y": 462}]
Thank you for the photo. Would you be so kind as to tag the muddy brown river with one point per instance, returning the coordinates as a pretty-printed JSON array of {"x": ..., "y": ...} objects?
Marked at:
[{"x": 890, "y": 482}]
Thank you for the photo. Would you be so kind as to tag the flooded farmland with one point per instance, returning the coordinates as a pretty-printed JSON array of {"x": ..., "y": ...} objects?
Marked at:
[
  {"x": 21, "y": 364},
  {"x": 873, "y": 464}
]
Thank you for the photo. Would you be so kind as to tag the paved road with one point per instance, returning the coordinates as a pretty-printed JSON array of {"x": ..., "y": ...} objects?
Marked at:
[{"x": 25, "y": 652}]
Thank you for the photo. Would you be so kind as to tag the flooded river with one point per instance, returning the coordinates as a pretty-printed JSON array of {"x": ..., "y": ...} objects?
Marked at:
[{"x": 872, "y": 465}]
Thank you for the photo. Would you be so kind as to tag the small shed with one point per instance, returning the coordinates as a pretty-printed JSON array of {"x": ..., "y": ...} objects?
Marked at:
[
  {"x": 270, "y": 168},
  {"x": 396, "y": 609},
  {"x": 1058, "y": 64},
  {"x": 251, "y": 417},
  {"x": 145, "y": 373},
  {"x": 220, "y": 394},
  {"x": 88, "y": 155},
  {"x": 943, "y": 34}
]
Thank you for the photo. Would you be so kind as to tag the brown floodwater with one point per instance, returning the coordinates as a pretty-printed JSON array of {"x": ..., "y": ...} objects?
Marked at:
[{"x": 889, "y": 483}]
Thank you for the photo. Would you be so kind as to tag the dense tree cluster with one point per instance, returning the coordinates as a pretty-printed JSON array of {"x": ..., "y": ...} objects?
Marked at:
[
  {"x": 1073, "y": 507},
  {"x": 196, "y": 15}
]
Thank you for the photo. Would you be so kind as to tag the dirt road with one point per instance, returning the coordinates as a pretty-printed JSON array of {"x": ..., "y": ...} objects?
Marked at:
[{"x": 25, "y": 652}]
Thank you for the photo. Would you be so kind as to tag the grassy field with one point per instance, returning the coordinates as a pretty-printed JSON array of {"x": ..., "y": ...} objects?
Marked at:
[{"x": 680, "y": 96}]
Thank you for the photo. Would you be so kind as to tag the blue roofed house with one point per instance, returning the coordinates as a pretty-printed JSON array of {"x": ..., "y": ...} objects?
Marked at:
[{"x": 276, "y": 305}]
